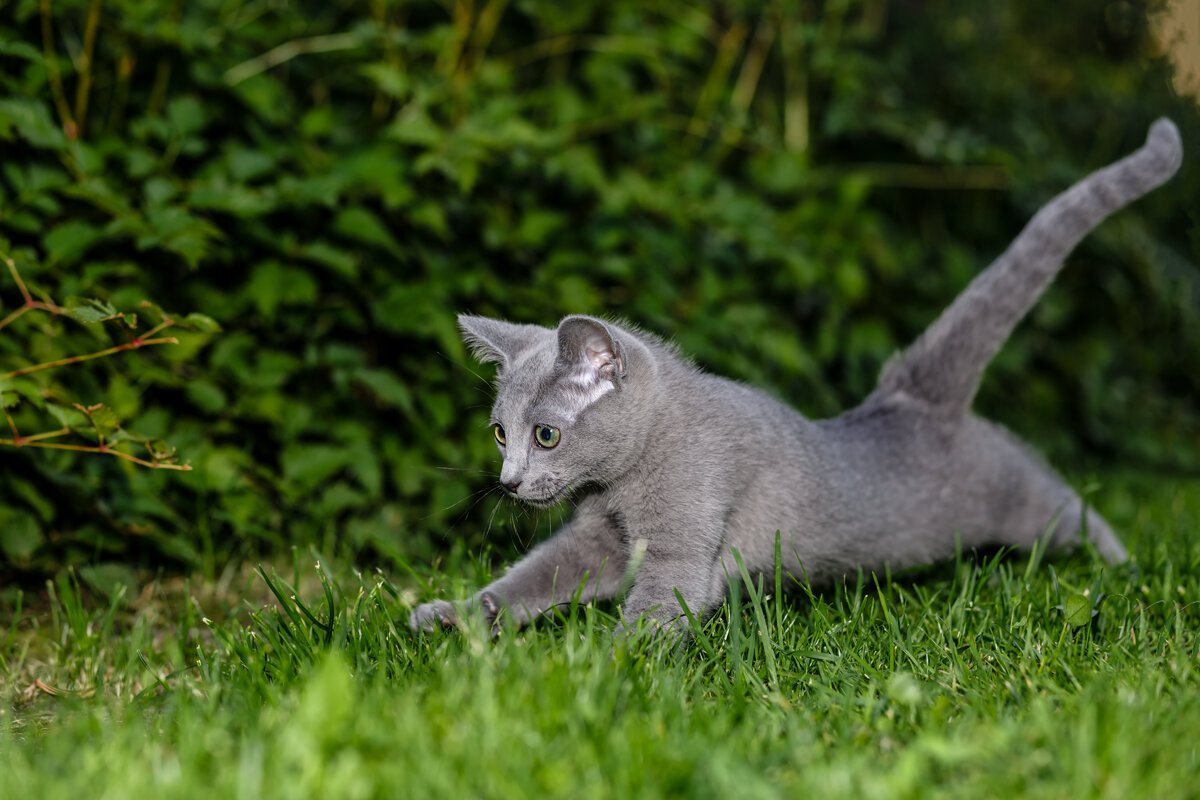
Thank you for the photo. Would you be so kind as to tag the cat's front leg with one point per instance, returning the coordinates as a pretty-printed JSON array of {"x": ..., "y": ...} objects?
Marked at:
[
  {"x": 589, "y": 548},
  {"x": 680, "y": 555}
]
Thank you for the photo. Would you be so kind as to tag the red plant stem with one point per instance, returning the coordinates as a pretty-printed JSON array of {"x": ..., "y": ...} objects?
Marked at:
[
  {"x": 12, "y": 267},
  {"x": 83, "y": 448},
  {"x": 29, "y": 305},
  {"x": 47, "y": 435},
  {"x": 13, "y": 316},
  {"x": 38, "y": 439},
  {"x": 166, "y": 323},
  {"x": 135, "y": 344}
]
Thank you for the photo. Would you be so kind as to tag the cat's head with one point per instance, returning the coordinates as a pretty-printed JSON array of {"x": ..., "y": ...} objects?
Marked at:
[{"x": 566, "y": 398}]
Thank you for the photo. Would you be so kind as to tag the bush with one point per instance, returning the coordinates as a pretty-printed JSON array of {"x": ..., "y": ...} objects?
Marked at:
[{"x": 789, "y": 194}]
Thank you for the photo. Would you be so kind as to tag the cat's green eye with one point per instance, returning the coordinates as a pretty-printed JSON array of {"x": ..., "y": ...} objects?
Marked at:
[
  {"x": 546, "y": 436},
  {"x": 499, "y": 431}
]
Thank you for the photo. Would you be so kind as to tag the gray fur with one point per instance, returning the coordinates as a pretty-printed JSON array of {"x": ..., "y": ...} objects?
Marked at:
[{"x": 680, "y": 466}]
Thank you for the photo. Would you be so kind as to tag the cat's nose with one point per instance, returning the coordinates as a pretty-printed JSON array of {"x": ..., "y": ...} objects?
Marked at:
[{"x": 512, "y": 485}]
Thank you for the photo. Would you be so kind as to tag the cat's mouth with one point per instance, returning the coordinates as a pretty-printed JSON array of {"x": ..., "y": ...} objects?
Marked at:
[
  {"x": 546, "y": 501},
  {"x": 541, "y": 502}
]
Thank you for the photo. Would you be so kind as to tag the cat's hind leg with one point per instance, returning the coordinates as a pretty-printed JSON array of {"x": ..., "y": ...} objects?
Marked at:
[{"x": 1029, "y": 501}]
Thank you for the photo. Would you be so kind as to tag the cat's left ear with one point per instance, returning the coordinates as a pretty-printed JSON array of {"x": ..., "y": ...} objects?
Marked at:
[
  {"x": 589, "y": 352},
  {"x": 497, "y": 340}
]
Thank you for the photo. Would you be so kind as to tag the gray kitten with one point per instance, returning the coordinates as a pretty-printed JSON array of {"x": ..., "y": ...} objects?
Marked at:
[{"x": 671, "y": 468}]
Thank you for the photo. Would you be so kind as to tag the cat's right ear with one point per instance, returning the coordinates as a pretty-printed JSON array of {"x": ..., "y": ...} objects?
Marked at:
[{"x": 497, "y": 340}]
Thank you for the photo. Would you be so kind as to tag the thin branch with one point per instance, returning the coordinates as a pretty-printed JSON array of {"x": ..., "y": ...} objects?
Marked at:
[
  {"x": 29, "y": 303},
  {"x": 85, "y": 64},
  {"x": 166, "y": 323},
  {"x": 134, "y": 345},
  {"x": 795, "y": 86},
  {"x": 920, "y": 176},
  {"x": 158, "y": 89},
  {"x": 88, "y": 411},
  {"x": 485, "y": 30},
  {"x": 289, "y": 50},
  {"x": 569, "y": 43},
  {"x": 12, "y": 268},
  {"x": 756, "y": 57},
  {"x": 447, "y": 63},
  {"x": 46, "y": 435},
  {"x": 160, "y": 460},
  {"x": 4, "y": 323},
  {"x": 52, "y": 74},
  {"x": 718, "y": 77},
  {"x": 105, "y": 449}
]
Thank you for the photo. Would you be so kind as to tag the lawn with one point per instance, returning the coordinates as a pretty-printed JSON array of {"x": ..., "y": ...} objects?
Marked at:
[{"x": 986, "y": 676}]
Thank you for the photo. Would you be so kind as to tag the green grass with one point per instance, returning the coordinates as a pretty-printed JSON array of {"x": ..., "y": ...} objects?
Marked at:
[{"x": 979, "y": 678}]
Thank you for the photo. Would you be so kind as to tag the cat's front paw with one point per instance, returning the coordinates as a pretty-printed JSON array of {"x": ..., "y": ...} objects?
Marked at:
[{"x": 433, "y": 616}]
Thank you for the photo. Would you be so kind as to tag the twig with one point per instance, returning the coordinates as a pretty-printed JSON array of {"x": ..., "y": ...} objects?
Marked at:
[
  {"x": 920, "y": 176},
  {"x": 52, "y": 74},
  {"x": 12, "y": 268},
  {"x": 756, "y": 57},
  {"x": 485, "y": 29},
  {"x": 463, "y": 12},
  {"x": 160, "y": 460},
  {"x": 158, "y": 90},
  {"x": 47, "y": 435},
  {"x": 29, "y": 303},
  {"x": 718, "y": 76},
  {"x": 105, "y": 449},
  {"x": 108, "y": 351},
  {"x": 795, "y": 87},
  {"x": 85, "y": 64},
  {"x": 289, "y": 50},
  {"x": 4, "y": 323}
]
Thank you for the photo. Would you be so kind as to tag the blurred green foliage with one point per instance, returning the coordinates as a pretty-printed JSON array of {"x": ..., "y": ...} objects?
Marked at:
[{"x": 789, "y": 190}]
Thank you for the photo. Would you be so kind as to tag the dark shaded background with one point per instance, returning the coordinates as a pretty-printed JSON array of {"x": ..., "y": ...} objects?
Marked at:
[{"x": 789, "y": 190}]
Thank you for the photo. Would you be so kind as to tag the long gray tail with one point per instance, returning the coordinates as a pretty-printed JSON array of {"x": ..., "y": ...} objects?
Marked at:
[{"x": 943, "y": 367}]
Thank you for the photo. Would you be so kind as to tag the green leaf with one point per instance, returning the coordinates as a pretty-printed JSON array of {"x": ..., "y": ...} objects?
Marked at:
[
  {"x": 89, "y": 310},
  {"x": 390, "y": 79},
  {"x": 105, "y": 420},
  {"x": 20, "y": 534},
  {"x": 174, "y": 229},
  {"x": 67, "y": 242},
  {"x": 364, "y": 226},
  {"x": 387, "y": 387},
  {"x": 32, "y": 121},
  {"x": 200, "y": 322},
  {"x": 309, "y": 465},
  {"x": 1077, "y": 611},
  {"x": 110, "y": 579},
  {"x": 25, "y": 490},
  {"x": 413, "y": 126},
  {"x": 273, "y": 285},
  {"x": 67, "y": 417},
  {"x": 186, "y": 115},
  {"x": 9, "y": 398},
  {"x": 26, "y": 389},
  {"x": 207, "y": 396},
  {"x": 246, "y": 164},
  {"x": 21, "y": 50},
  {"x": 336, "y": 258}
]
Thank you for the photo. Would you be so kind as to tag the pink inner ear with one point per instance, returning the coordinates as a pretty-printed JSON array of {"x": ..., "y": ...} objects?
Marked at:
[
  {"x": 598, "y": 353},
  {"x": 597, "y": 365}
]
